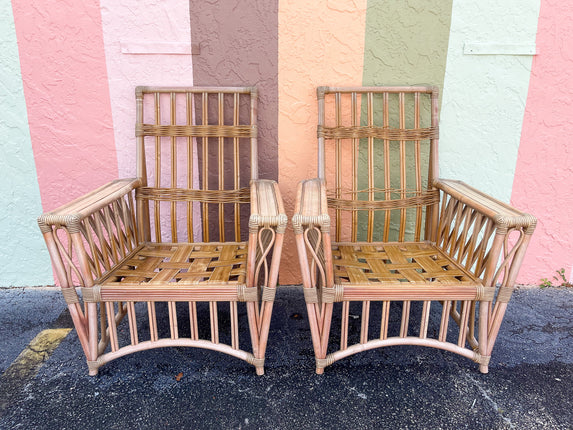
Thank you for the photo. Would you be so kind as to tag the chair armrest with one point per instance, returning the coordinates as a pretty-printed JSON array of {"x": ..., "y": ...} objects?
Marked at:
[
  {"x": 71, "y": 214},
  {"x": 267, "y": 225},
  {"x": 311, "y": 224},
  {"x": 488, "y": 237},
  {"x": 311, "y": 206},
  {"x": 267, "y": 206},
  {"x": 99, "y": 230},
  {"x": 504, "y": 216}
]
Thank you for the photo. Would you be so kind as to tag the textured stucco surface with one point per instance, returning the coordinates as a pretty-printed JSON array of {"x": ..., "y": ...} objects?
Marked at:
[
  {"x": 67, "y": 96},
  {"x": 320, "y": 43},
  {"x": 484, "y": 95},
  {"x": 406, "y": 44},
  {"x": 79, "y": 111},
  {"x": 24, "y": 259},
  {"x": 147, "y": 23},
  {"x": 543, "y": 182},
  {"x": 239, "y": 46}
]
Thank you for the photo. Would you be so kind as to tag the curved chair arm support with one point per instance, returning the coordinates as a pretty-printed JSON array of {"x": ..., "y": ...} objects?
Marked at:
[
  {"x": 85, "y": 238},
  {"x": 311, "y": 224},
  {"x": 71, "y": 214},
  {"x": 267, "y": 225},
  {"x": 489, "y": 238},
  {"x": 477, "y": 229},
  {"x": 99, "y": 228}
]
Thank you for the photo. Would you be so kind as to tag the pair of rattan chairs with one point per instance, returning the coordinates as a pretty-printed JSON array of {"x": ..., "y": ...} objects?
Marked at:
[{"x": 166, "y": 259}]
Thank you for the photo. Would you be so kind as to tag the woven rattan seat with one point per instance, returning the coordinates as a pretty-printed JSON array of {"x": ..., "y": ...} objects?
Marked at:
[
  {"x": 396, "y": 264},
  {"x": 196, "y": 226},
  {"x": 378, "y": 226},
  {"x": 180, "y": 263}
]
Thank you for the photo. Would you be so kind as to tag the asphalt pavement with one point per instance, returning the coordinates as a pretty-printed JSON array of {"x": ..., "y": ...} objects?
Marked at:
[{"x": 529, "y": 385}]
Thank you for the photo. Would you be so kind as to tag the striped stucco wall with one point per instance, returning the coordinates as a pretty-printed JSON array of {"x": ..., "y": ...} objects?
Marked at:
[
  {"x": 68, "y": 73},
  {"x": 543, "y": 180},
  {"x": 320, "y": 43},
  {"x": 23, "y": 257},
  {"x": 484, "y": 95}
]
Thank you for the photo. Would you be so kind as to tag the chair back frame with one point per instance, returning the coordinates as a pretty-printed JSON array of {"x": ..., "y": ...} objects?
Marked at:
[{"x": 348, "y": 117}]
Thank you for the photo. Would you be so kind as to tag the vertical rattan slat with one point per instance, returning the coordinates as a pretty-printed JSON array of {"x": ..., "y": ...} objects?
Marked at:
[
  {"x": 370, "y": 123},
  {"x": 132, "y": 323},
  {"x": 355, "y": 142},
  {"x": 344, "y": 325},
  {"x": 190, "y": 108},
  {"x": 205, "y": 164},
  {"x": 365, "y": 321},
  {"x": 221, "y": 166},
  {"x": 173, "y": 158},
  {"x": 158, "y": 170},
  {"x": 236, "y": 167},
  {"x": 403, "y": 185},
  {"x": 387, "y": 168},
  {"x": 417, "y": 167},
  {"x": 193, "y": 325},
  {"x": 338, "y": 158}
]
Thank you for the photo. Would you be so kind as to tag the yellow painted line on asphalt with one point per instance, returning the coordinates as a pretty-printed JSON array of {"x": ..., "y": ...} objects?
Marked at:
[
  {"x": 27, "y": 365},
  {"x": 33, "y": 356}
]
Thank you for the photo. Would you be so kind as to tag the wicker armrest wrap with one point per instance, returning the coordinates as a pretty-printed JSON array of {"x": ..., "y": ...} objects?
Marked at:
[
  {"x": 311, "y": 207},
  {"x": 71, "y": 214},
  {"x": 266, "y": 206},
  {"x": 504, "y": 215}
]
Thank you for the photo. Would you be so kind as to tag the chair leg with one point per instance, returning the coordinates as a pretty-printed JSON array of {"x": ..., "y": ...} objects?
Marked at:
[
  {"x": 316, "y": 338},
  {"x": 483, "y": 337}
]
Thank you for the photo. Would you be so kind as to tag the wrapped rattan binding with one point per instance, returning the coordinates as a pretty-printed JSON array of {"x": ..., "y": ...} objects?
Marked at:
[
  {"x": 386, "y": 133},
  {"x": 70, "y": 295},
  {"x": 233, "y": 131},
  {"x": 422, "y": 198},
  {"x": 241, "y": 195}
]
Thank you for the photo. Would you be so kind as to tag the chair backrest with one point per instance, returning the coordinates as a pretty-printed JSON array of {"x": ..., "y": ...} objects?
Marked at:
[
  {"x": 196, "y": 154},
  {"x": 378, "y": 154}
]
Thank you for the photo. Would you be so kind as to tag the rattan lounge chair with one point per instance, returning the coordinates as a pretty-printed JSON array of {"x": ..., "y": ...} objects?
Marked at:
[
  {"x": 430, "y": 262},
  {"x": 166, "y": 248}
]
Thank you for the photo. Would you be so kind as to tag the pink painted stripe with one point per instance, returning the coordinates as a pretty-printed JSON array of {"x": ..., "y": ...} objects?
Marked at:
[
  {"x": 543, "y": 176},
  {"x": 67, "y": 96}
]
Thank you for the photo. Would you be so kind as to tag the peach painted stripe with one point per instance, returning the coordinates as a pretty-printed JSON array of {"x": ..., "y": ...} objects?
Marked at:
[
  {"x": 320, "y": 43},
  {"x": 66, "y": 89},
  {"x": 543, "y": 177}
]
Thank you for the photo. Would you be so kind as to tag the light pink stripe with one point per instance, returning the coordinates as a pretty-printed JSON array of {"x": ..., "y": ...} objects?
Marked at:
[
  {"x": 543, "y": 183},
  {"x": 67, "y": 96}
]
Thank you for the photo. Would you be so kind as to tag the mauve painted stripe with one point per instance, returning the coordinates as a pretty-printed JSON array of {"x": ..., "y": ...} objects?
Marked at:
[
  {"x": 65, "y": 83},
  {"x": 239, "y": 47}
]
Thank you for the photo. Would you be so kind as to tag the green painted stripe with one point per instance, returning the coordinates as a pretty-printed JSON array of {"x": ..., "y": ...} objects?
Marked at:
[{"x": 406, "y": 44}]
